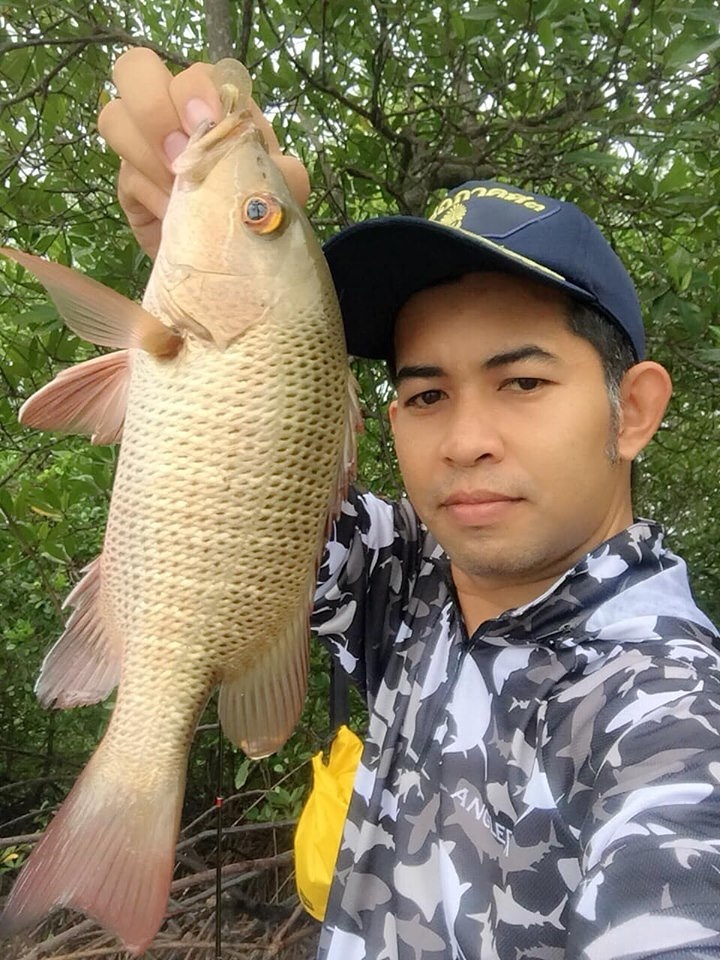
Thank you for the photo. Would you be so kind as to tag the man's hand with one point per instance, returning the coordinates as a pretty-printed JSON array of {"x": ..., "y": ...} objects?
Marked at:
[{"x": 148, "y": 126}]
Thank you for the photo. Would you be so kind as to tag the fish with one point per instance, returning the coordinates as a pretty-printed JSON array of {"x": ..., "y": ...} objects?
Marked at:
[{"x": 232, "y": 398}]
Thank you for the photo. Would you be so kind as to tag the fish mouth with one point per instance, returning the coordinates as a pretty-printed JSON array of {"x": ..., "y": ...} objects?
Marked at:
[
  {"x": 209, "y": 145},
  {"x": 232, "y": 127}
]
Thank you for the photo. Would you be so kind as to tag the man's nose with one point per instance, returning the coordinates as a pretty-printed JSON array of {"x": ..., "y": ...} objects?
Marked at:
[{"x": 473, "y": 434}]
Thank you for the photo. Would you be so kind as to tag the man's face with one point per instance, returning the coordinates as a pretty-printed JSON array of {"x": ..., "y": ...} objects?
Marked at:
[{"x": 502, "y": 427}]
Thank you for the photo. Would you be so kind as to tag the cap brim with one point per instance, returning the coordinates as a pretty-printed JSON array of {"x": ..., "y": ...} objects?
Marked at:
[{"x": 379, "y": 264}]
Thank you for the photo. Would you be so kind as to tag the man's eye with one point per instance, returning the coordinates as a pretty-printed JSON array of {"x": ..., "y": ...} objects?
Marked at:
[
  {"x": 424, "y": 399},
  {"x": 523, "y": 384}
]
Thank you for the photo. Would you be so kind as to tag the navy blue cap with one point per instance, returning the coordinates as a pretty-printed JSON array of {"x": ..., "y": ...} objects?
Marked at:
[{"x": 482, "y": 225}]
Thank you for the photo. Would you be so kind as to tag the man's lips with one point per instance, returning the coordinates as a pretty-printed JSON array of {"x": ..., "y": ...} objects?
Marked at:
[
  {"x": 477, "y": 496},
  {"x": 478, "y": 508}
]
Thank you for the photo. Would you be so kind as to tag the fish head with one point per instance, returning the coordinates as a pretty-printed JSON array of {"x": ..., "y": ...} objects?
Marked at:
[{"x": 235, "y": 242}]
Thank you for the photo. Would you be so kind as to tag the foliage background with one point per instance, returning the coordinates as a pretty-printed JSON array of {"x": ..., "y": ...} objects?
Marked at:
[{"x": 614, "y": 105}]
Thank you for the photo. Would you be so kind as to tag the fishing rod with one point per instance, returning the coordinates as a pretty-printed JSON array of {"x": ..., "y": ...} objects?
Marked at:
[{"x": 218, "y": 846}]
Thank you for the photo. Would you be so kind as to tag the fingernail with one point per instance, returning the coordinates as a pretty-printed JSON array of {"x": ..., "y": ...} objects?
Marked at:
[
  {"x": 174, "y": 144},
  {"x": 197, "y": 112}
]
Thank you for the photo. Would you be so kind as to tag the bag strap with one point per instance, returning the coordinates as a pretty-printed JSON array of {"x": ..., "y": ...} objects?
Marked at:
[{"x": 339, "y": 706}]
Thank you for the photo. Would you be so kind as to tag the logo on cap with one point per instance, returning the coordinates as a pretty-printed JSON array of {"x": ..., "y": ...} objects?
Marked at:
[{"x": 451, "y": 216}]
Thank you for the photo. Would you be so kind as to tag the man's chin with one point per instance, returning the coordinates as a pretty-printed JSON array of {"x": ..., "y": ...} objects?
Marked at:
[{"x": 497, "y": 559}]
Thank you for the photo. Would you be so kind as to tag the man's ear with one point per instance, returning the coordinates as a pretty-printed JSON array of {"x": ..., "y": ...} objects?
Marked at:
[
  {"x": 392, "y": 413},
  {"x": 645, "y": 392}
]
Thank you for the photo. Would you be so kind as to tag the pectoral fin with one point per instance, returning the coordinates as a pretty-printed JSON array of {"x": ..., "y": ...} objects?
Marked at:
[
  {"x": 89, "y": 398},
  {"x": 97, "y": 313}
]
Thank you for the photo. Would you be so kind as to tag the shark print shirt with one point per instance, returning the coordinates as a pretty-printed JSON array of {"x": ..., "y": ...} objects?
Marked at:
[{"x": 548, "y": 787}]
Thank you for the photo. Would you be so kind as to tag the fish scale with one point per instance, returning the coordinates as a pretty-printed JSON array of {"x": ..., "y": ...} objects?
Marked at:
[
  {"x": 243, "y": 520},
  {"x": 236, "y": 409}
]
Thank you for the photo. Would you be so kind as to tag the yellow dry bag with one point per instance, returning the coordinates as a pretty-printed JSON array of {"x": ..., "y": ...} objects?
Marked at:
[{"x": 319, "y": 829}]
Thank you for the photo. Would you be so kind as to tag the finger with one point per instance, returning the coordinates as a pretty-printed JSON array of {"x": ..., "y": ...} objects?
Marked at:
[
  {"x": 291, "y": 167},
  {"x": 296, "y": 176},
  {"x": 159, "y": 111},
  {"x": 195, "y": 97},
  {"x": 142, "y": 81},
  {"x": 116, "y": 127},
  {"x": 139, "y": 195},
  {"x": 144, "y": 204},
  {"x": 265, "y": 128},
  {"x": 150, "y": 93},
  {"x": 194, "y": 94}
]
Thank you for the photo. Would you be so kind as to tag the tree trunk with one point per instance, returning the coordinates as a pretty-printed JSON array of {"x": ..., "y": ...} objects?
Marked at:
[{"x": 217, "y": 25}]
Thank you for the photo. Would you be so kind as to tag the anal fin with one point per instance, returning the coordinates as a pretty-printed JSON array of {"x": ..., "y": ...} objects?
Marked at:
[
  {"x": 347, "y": 467},
  {"x": 259, "y": 707},
  {"x": 84, "y": 664},
  {"x": 89, "y": 398}
]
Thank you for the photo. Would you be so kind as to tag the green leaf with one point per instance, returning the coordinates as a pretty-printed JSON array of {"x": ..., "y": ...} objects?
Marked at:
[
  {"x": 546, "y": 34},
  {"x": 687, "y": 50},
  {"x": 593, "y": 158},
  {"x": 41, "y": 316},
  {"x": 458, "y": 25},
  {"x": 242, "y": 772},
  {"x": 482, "y": 12}
]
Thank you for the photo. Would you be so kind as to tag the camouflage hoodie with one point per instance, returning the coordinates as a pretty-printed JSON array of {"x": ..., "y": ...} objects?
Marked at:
[{"x": 546, "y": 788}]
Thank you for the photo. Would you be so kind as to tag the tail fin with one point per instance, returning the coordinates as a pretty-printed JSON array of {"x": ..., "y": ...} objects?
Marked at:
[{"x": 109, "y": 852}]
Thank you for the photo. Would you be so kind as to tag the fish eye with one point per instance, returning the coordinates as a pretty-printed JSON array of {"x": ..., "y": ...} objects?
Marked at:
[{"x": 263, "y": 214}]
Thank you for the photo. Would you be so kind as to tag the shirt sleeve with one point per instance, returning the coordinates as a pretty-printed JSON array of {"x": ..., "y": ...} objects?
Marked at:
[
  {"x": 365, "y": 578},
  {"x": 650, "y": 840}
]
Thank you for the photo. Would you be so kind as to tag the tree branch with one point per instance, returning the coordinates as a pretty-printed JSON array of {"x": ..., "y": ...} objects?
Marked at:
[{"x": 246, "y": 22}]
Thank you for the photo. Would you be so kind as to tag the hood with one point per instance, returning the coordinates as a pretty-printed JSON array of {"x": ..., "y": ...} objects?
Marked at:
[{"x": 630, "y": 588}]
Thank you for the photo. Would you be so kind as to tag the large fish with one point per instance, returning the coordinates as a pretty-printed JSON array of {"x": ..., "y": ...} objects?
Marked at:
[{"x": 233, "y": 397}]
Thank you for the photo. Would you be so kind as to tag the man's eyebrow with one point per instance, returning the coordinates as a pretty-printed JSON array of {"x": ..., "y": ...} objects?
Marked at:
[
  {"x": 418, "y": 372},
  {"x": 529, "y": 351}
]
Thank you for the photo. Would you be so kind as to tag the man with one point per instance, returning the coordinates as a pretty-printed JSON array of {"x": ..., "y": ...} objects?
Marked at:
[{"x": 540, "y": 775}]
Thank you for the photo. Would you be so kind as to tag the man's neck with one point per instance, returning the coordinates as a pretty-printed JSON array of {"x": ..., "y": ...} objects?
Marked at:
[
  {"x": 484, "y": 598},
  {"x": 479, "y": 603}
]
